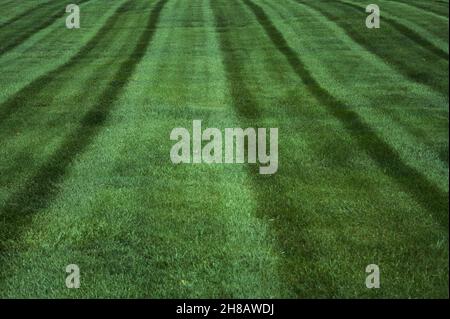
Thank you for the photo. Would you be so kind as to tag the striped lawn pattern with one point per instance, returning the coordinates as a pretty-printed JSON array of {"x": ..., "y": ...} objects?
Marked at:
[{"x": 86, "y": 177}]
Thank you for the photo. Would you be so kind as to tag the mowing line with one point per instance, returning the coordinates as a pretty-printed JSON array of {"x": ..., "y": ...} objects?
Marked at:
[
  {"x": 51, "y": 18},
  {"x": 427, "y": 194},
  {"x": 15, "y": 102},
  {"x": 270, "y": 191},
  {"x": 400, "y": 65},
  {"x": 7, "y": 4},
  {"x": 244, "y": 103},
  {"x": 26, "y": 13},
  {"x": 427, "y": 8},
  {"x": 417, "y": 133},
  {"x": 40, "y": 189},
  {"x": 409, "y": 33},
  {"x": 423, "y": 19}
]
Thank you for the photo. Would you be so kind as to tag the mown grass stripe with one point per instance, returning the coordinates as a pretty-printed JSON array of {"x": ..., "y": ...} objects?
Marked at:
[
  {"x": 245, "y": 105},
  {"x": 16, "y": 102},
  {"x": 426, "y": 7},
  {"x": 7, "y": 4},
  {"x": 401, "y": 60},
  {"x": 270, "y": 192},
  {"x": 428, "y": 25},
  {"x": 410, "y": 121},
  {"x": 38, "y": 192},
  {"x": 26, "y": 13},
  {"x": 411, "y": 34},
  {"x": 44, "y": 20},
  {"x": 427, "y": 194}
]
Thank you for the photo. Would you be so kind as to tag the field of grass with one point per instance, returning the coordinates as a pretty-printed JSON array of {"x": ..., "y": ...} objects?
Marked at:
[{"x": 86, "y": 176}]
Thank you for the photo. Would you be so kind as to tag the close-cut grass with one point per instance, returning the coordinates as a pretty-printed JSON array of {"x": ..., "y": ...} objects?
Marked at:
[
  {"x": 86, "y": 177},
  {"x": 22, "y": 26}
]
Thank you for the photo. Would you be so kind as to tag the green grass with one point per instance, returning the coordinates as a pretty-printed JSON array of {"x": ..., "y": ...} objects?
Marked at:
[{"x": 86, "y": 177}]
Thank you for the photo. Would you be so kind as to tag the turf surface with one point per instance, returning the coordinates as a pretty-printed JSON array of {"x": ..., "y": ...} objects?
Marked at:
[{"x": 86, "y": 178}]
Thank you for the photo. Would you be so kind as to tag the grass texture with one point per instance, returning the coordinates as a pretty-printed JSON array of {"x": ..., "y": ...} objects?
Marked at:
[{"x": 86, "y": 177}]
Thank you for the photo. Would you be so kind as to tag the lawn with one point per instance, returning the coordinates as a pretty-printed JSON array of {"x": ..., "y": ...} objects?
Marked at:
[{"x": 85, "y": 170}]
